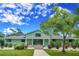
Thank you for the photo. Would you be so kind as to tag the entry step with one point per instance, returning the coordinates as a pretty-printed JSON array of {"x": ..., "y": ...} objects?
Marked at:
[{"x": 38, "y": 46}]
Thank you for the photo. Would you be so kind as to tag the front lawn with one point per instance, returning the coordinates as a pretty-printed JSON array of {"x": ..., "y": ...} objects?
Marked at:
[
  {"x": 28, "y": 52},
  {"x": 60, "y": 53}
]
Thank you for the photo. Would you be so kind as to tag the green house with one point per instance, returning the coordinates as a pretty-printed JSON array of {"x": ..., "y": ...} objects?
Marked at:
[{"x": 34, "y": 38}]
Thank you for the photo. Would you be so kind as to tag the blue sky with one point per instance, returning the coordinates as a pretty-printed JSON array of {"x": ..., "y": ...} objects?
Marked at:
[{"x": 28, "y": 17}]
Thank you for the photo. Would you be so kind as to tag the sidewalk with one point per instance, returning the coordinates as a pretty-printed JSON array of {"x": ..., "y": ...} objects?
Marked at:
[{"x": 40, "y": 52}]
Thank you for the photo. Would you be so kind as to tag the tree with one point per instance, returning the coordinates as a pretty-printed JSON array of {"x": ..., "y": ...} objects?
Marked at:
[
  {"x": 1, "y": 34},
  {"x": 77, "y": 11},
  {"x": 47, "y": 29},
  {"x": 62, "y": 21},
  {"x": 1, "y": 39},
  {"x": 76, "y": 31}
]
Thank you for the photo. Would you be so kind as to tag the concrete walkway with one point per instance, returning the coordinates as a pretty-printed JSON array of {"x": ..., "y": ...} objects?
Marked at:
[{"x": 40, "y": 52}]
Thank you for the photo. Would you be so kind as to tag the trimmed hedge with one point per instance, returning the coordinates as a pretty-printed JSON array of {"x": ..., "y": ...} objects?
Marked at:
[
  {"x": 19, "y": 47},
  {"x": 8, "y": 45}
]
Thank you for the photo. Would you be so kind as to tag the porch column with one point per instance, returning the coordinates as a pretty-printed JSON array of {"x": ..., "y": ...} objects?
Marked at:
[
  {"x": 25, "y": 41},
  {"x": 43, "y": 42},
  {"x": 32, "y": 42}
]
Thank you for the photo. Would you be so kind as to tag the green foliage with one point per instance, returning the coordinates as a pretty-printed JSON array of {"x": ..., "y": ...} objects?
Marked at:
[
  {"x": 77, "y": 10},
  {"x": 52, "y": 43},
  {"x": 59, "y": 42},
  {"x": 45, "y": 28},
  {"x": 19, "y": 47},
  {"x": 67, "y": 43},
  {"x": 77, "y": 42},
  {"x": 59, "y": 53},
  {"x": 76, "y": 32},
  {"x": 27, "y": 52},
  {"x": 2, "y": 41},
  {"x": 62, "y": 21},
  {"x": 74, "y": 43},
  {"x": 6, "y": 45},
  {"x": 55, "y": 8},
  {"x": 1, "y": 34},
  {"x": 9, "y": 45}
]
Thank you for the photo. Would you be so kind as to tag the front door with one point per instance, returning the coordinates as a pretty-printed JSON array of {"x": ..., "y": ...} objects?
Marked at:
[{"x": 37, "y": 41}]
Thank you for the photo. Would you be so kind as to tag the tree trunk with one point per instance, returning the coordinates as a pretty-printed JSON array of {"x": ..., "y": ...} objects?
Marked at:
[{"x": 63, "y": 48}]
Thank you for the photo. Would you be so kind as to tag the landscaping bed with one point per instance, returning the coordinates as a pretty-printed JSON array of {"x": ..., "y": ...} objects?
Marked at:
[
  {"x": 28, "y": 52},
  {"x": 60, "y": 53}
]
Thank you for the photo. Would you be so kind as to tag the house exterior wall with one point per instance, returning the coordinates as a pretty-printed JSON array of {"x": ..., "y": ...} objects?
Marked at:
[
  {"x": 14, "y": 41},
  {"x": 32, "y": 35}
]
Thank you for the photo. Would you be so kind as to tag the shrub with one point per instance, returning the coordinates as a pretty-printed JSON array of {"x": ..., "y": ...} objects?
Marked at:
[
  {"x": 77, "y": 41},
  {"x": 74, "y": 45},
  {"x": 66, "y": 44},
  {"x": 2, "y": 42},
  {"x": 9, "y": 45},
  {"x": 52, "y": 43},
  {"x": 19, "y": 47},
  {"x": 58, "y": 44},
  {"x": 6, "y": 45}
]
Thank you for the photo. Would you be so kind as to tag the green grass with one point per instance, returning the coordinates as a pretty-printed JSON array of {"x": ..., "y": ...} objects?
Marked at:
[
  {"x": 28, "y": 52},
  {"x": 60, "y": 53}
]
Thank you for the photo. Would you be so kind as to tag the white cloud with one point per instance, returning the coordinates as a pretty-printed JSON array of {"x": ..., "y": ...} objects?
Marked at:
[
  {"x": 31, "y": 13},
  {"x": 42, "y": 6},
  {"x": 18, "y": 11},
  {"x": 3, "y": 20},
  {"x": 12, "y": 19},
  {"x": 1, "y": 11},
  {"x": 11, "y": 5},
  {"x": 9, "y": 30},
  {"x": 15, "y": 17},
  {"x": 28, "y": 6},
  {"x": 36, "y": 17},
  {"x": 43, "y": 10}
]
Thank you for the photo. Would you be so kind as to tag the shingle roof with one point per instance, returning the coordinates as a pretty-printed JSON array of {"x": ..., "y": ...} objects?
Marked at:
[
  {"x": 24, "y": 36},
  {"x": 15, "y": 37}
]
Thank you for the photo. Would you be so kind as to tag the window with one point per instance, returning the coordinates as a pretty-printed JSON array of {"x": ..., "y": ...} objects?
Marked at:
[
  {"x": 8, "y": 40},
  {"x": 54, "y": 40},
  {"x": 70, "y": 40},
  {"x": 38, "y": 35},
  {"x": 22, "y": 40}
]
